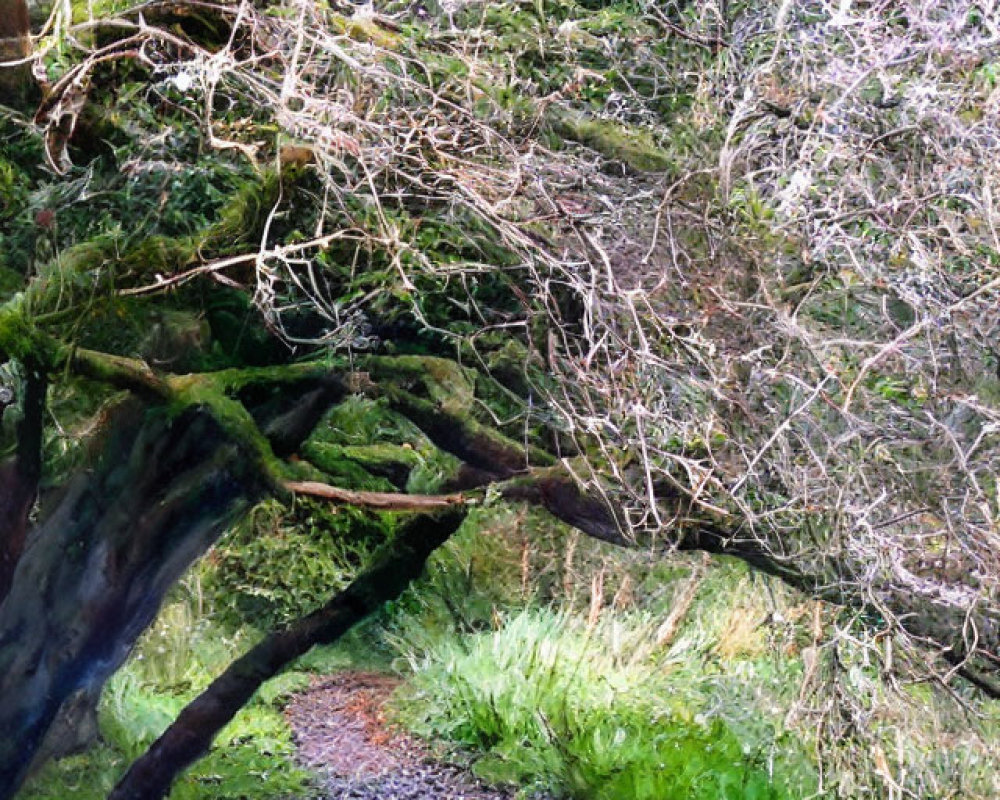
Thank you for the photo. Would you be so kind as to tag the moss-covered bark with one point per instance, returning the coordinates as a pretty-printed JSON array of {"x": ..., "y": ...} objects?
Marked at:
[{"x": 632, "y": 146}]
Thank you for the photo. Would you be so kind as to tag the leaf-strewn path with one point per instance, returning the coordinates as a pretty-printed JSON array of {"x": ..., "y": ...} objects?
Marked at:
[{"x": 342, "y": 734}]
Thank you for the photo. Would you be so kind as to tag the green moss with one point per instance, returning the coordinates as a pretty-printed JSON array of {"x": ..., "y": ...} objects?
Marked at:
[
  {"x": 375, "y": 454},
  {"x": 235, "y": 420},
  {"x": 241, "y": 218},
  {"x": 447, "y": 383},
  {"x": 364, "y": 30},
  {"x": 479, "y": 445},
  {"x": 393, "y": 463},
  {"x": 418, "y": 469},
  {"x": 80, "y": 286},
  {"x": 83, "y": 279},
  {"x": 60, "y": 281},
  {"x": 362, "y": 443},
  {"x": 20, "y": 339},
  {"x": 284, "y": 561},
  {"x": 85, "y": 10},
  {"x": 161, "y": 254},
  {"x": 632, "y": 146},
  {"x": 360, "y": 421},
  {"x": 13, "y": 192},
  {"x": 342, "y": 470}
]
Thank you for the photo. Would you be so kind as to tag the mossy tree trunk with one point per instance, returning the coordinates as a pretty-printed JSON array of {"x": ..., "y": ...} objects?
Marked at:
[{"x": 93, "y": 575}]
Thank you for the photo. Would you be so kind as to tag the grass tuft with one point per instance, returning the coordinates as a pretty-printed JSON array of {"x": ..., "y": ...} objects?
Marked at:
[{"x": 552, "y": 703}]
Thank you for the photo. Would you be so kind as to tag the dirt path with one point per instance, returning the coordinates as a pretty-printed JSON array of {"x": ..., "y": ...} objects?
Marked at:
[{"x": 343, "y": 736}]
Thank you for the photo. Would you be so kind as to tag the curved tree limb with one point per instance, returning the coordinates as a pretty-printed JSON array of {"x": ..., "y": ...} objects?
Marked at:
[{"x": 191, "y": 734}]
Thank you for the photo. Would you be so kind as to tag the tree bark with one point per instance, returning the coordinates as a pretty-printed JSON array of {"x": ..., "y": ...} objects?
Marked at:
[
  {"x": 94, "y": 573},
  {"x": 191, "y": 734},
  {"x": 19, "y": 477},
  {"x": 15, "y": 43}
]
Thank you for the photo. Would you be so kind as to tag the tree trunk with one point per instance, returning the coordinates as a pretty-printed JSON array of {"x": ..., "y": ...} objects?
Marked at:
[
  {"x": 191, "y": 734},
  {"x": 94, "y": 573},
  {"x": 15, "y": 43},
  {"x": 19, "y": 477}
]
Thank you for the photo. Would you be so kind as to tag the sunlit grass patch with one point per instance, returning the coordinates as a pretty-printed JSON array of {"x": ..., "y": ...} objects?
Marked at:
[{"x": 550, "y": 702}]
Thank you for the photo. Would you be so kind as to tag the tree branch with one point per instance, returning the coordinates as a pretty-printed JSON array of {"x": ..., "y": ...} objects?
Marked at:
[
  {"x": 191, "y": 734},
  {"x": 385, "y": 501}
]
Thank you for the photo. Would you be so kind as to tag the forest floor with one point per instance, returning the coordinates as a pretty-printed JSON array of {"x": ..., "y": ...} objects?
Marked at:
[{"x": 343, "y": 735}]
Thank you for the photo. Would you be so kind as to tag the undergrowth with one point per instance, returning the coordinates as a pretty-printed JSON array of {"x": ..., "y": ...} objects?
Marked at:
[
  {"x": 554, "y": 704},
  {"x": 560, "y": 663},
  {"x": 555, "y": 679},
  {"x": 279, "y": 564}
]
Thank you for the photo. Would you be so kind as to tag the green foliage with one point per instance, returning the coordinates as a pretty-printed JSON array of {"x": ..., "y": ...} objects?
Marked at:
[
  {"x": 279, "y": 563},
  {"x": 13, "y": 185},
  {"x": 546, "y": 680},
  {"x": 10, "y": 283},
  {"x": 19, "y": 169},
  {"x": 548, "y": 701},
  {"x": 466, "y": 582},
  {"x": 163, "y": 184},
  {"x": 359, "y": 439}
]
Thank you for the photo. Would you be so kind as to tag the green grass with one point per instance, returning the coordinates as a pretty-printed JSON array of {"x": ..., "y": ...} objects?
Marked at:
[{"x": 552, "y": 703}]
